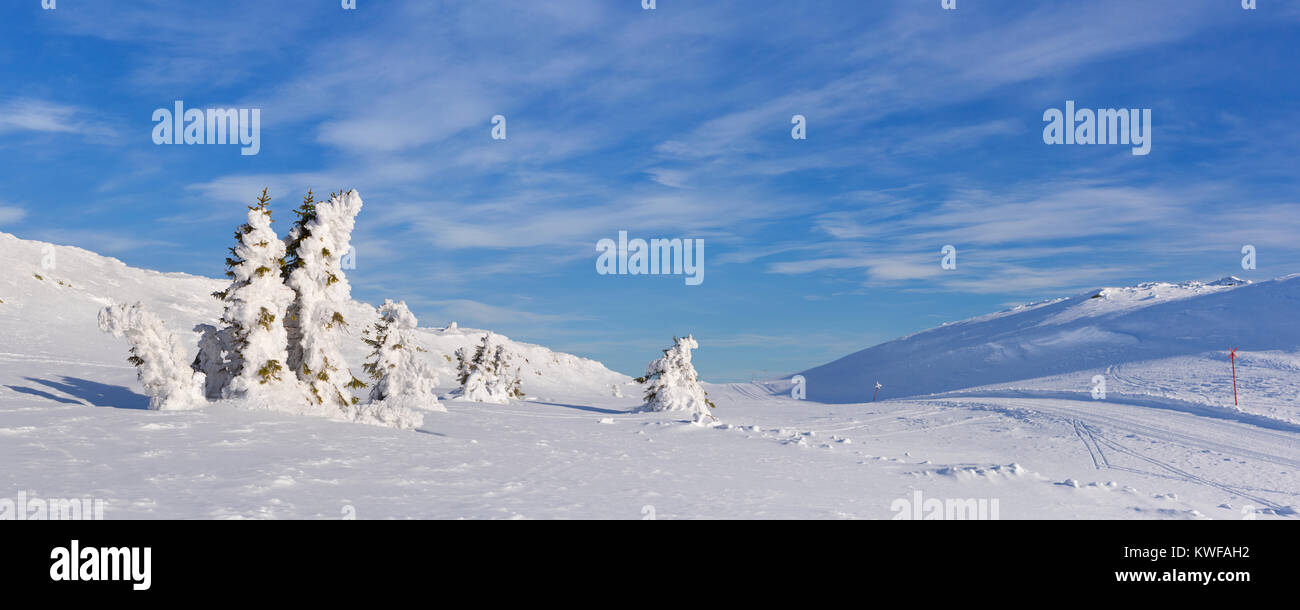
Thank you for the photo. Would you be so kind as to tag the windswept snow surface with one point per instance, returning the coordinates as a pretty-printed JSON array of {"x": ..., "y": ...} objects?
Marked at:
[{"x": 1029, "y": 441}]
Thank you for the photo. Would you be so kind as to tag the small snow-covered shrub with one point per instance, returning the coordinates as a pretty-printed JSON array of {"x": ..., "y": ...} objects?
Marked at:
[
  {"x": 158, "y": 356},
  {"x": 488, "y": 375},
  {"x": 404, "y": 382},
  {"x": 671, "y": 383}
]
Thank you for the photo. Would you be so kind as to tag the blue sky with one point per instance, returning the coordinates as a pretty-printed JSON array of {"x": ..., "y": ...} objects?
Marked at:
[{"x": 924, "y": 129}]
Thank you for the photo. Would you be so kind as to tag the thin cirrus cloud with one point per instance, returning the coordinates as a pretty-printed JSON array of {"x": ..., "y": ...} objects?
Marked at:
[
  {"x": 1007, "y": 240},
  {"x": 107, "y": 242},
  {"x": 10, "y": 214},
  {"x": 471, "y": 312},
  {"x": 913, "y": 61},
  {"x": 43, "y": 116}
]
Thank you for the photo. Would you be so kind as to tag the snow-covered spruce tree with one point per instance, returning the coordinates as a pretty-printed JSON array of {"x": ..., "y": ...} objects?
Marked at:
[
  {"x": 488, "y": 375},
  {"x": 404, "y": 382},
  {"x": 314, "y": 323},
  {"x": 216, "y": 348},
  {"x": 671, "y": 383},
  {"x": 255, "y": 306},
  {"x": 158, "y": 355}
]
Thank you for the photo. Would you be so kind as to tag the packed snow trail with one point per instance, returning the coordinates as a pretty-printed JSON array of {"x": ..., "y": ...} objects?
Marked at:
[{"x": 1188, "y": 434}]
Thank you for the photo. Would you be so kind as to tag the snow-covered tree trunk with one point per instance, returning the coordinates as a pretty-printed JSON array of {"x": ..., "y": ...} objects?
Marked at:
[
  {"x": 158, "y": 355},
  {"x": 671, "y": 383},
  {"x": 320, "y": 239},
  {"x": 256, "y": 303}
]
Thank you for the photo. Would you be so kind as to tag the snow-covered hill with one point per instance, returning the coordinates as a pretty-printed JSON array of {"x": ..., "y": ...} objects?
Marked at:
[
  {"x": 1015, "y": 428},
  {"x": 1155, "y": 342},
  {"x": 51, "y": 295}
]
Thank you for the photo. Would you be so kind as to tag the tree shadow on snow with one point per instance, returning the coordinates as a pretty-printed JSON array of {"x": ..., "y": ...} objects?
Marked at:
[
  {"x": 92, "y": 392},
  {"x": 587, "y": 408},
  {"x": 40, "y": 394}
]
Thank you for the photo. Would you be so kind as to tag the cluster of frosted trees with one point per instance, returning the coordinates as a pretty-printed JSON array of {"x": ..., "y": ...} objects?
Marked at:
[{"x": 277, "y": 344}]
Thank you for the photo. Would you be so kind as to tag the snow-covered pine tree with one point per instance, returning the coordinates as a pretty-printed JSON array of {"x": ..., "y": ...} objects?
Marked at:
[
  {"x": 465, "y": 363},
  {"x": 404, "y": 382},
  {"x": 158, "y": 355},
  {"x": 255, "y": 306},
  {"x": 315, "y": 322},
  {"x": 488, "y": 375},
  {"x": 671, "y": 383}
]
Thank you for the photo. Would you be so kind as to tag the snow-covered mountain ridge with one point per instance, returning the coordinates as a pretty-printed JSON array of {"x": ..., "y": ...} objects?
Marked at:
[{"x": 1153, "y": 340}]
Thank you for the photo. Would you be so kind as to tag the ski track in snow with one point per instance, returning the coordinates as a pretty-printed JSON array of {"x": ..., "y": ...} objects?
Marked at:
[{"x": 1088, "y": 419}]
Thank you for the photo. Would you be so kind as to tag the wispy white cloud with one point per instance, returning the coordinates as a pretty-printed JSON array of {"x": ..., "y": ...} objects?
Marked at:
[
  {"x": 1041, "y": 237},
  {"x": 106, "y": 242},
  {"x": 468, "y": 312},
  {"x": 34, "y": 115},
  {"x": 10, "y": 214},
  {"x": 908, "y": 61},
  {"x": 200, "y": 44}
]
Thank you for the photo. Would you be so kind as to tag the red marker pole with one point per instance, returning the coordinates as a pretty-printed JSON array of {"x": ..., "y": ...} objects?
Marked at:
[
  {"x": 873, "y": 395},
  {"x": 1233, "y": 357}
]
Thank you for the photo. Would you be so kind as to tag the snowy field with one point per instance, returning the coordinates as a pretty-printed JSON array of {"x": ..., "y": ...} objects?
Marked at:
[{"x": 1000, "y": 410}]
